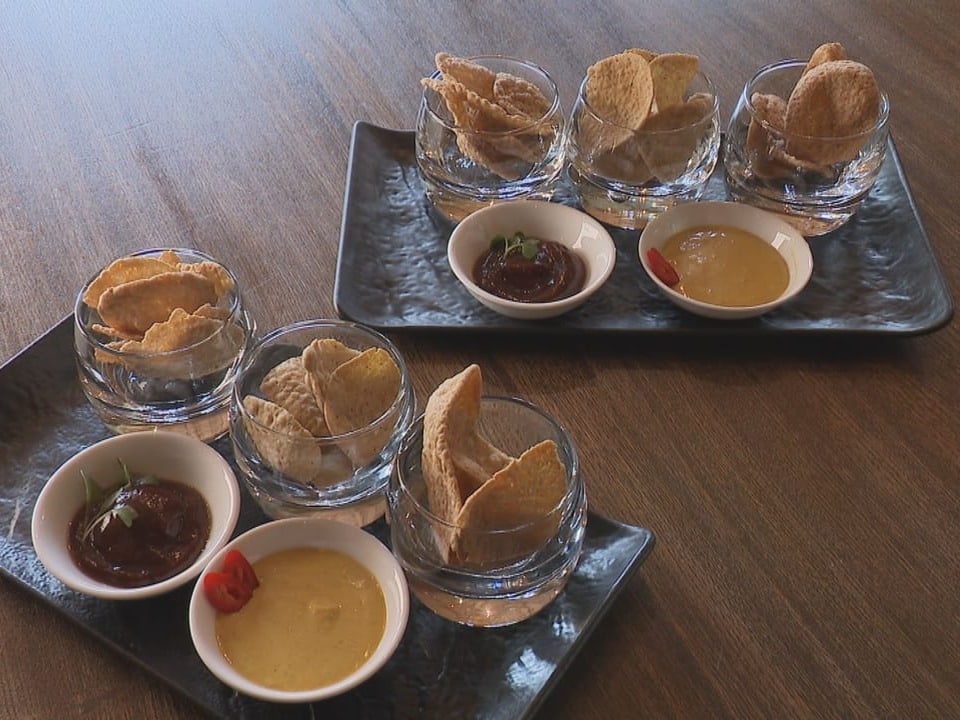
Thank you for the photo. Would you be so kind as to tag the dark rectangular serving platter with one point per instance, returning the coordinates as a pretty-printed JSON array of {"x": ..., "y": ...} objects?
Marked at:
[
  {"x": 875, "y": 275},
  {"x": 441, "y": 669}
]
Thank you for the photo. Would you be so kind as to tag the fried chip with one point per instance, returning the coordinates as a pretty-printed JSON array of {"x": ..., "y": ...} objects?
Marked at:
[
  {"x": 647, "y": 55},
  {"x": 620, "y": 90},
  {"x": 471, "y": 75},
  {"x": 320, "y": 358},
  {"x": 671, "y": 74},
  {"x": 830, "y": 110},
  {"x": 515, "y": 512},
  {"x": 520, "y": 97},
  {"x": 136, "y": 305},
  {"x": 286, "y": 385},
  {"x": 678, "y": 131},
  {"x": 825, "y": 53},
  {"x": 214, "y": 272},
  {"x": 282, "y": 442},
  {"x": 122, "y": 270},
  {"x": 359, "y": 392}
]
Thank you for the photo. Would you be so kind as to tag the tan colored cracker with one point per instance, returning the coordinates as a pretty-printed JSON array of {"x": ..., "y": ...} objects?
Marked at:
[
  {"x": 212, "y": 311},
  {"x": 520, "y": 97},
  {"x": 620, "y": 90},
  {"x": 171, "y": 258},
  {"x": 647, "y": 55},
  {"x": 286, "y": 385},
  {"x": 769, "y": 111},
  {"x": 471, "y": 75},
  {"x": 515, "y": 512},
  {"x": 669, "y": 139},
  {"x": 825, "y": 53},
  {"x": 180, "y": 330},
  {"x": 320, "y": 358},
  {"x": 830, "y": 111},
  {"x": 282, "y": 442},
  {"x": 122, "y": 270},
  {"x": 114, "y": 333},
  {"x": 672, "y": 74},
  {"x": 136, "y": 305},
  {"x": 360, "y": 391}
]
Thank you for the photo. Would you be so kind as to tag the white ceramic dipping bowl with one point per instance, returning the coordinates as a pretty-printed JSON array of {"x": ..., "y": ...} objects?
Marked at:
[
  {"x": 780, "y": 234},
  {"x": 539, "y": 219},
  {"x": 164, "y": 454},
  {"x": 300, "y": 532}
]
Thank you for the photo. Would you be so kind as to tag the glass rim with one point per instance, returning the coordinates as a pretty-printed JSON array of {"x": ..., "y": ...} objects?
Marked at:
[
  {"x": 713, "y": 110},
  {"x": 237, "y": 315},
  {"x": 883, "y": 117},
  {"x": 393, "y": 413},
  {"x": 574, "y": 488},
  {"x": 553, "y": 110}
]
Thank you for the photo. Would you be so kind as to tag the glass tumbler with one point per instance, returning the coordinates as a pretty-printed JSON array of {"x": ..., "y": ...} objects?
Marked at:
[
  {"x": 509, "y": 574},
  {"x": 625, "y": 177},
  {"x": 466, "y": 168},
  {"x": 766, "y": 166}
]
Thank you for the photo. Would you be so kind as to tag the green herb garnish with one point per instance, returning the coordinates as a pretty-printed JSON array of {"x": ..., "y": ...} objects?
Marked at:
[
  {"x": 101, "y": 506},
  {"x": 518, "y": 242}
]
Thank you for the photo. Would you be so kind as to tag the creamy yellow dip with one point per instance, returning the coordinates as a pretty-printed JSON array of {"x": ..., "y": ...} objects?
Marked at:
[
  {"x": 726, "y": 266},
  {"x": 316, "y": 617}
]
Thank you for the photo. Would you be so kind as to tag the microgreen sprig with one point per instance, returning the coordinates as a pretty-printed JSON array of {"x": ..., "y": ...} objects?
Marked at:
[
  {"x": 517, "y": 242},
  {"x": 102, "y": 506}
]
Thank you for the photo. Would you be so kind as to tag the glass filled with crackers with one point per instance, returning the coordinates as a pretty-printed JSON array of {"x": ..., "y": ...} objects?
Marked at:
[
  {"x": 644, "y": 135},
  {"x": 318, "y": 411},
  {"x": 807, "y": 139},
  {"x": 489, "y": 128},
  {"x": 487, "y": 506},
  {"x": 159, "y": 336}
]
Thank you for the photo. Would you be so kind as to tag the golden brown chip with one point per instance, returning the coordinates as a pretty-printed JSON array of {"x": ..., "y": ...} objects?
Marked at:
[
  {"x": 672, "y": 74},
  {"x": 286, "y": 385},
  {"x": 114, "y": 333},
  {"x": 620, "y": 90},
  {"x": 122, "y": 270},
  {"x": 214, "y": 312},
  {"x": 320, "y": 358},
  {"x": 360, "y": 391},
  {"x": 171, "y": 258},
  {"x": 214, "y": 272},
  {"x": 830, "y": 110},
  {"x": 647, "y": 55},
  {"x": 825, "y": 53},
  {"x": 180, "y": 330},
  {"x": 282, "y": 442},
  {"x": 136, "y": 305},
  {"x": 522, "y": 500},
  {"x": 471, "y": 75}
]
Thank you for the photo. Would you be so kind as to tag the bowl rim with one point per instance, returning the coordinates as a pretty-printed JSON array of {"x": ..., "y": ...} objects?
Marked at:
[
  {"x": 42, "y": 535},
  {"x": 322, "y": 533},
  {"x": 536, "y": 206},
  {"x": 794, "y": 286}
]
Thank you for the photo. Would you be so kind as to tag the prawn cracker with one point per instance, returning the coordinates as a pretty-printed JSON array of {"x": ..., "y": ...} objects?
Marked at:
[
  {"x": 286, "y": 385},
  {"x": 136, "y": 305}
]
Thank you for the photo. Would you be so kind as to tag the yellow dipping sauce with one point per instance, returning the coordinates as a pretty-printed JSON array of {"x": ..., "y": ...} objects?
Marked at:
[
  {"x": 727, "y": 266},
  {"x": 316, "y": 617}
]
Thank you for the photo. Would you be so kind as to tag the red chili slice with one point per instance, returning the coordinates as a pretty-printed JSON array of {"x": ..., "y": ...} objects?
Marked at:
[
  {"x": 225, "y": 592},
  {"x": 237, "y": 565},
  {"x": 662, "y": 268}
]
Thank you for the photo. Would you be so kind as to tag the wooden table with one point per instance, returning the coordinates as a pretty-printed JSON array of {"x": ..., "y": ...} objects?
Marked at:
[{"x": 804, "y": 491}]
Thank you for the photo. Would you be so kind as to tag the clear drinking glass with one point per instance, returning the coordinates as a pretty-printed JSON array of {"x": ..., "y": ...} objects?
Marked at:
[
  {"x": 340, "y": 476},
  {"x": 464, "y": 169},
  {"x": 185, "y": 390},
  {"x": 626, "y": 177},
  {"x": 763, "y": 168},
  {"x": 525, "y": 575}
]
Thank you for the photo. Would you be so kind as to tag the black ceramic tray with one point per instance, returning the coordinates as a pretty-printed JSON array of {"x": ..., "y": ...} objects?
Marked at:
[
  {"x": 441, "y": 670},
  {"x": 877, "y": 274}
]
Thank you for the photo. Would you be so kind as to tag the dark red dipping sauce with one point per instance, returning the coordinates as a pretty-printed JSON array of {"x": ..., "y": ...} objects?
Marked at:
[
  {"x": 552, "y": 273},
  {"x": 171, "y": 528}
]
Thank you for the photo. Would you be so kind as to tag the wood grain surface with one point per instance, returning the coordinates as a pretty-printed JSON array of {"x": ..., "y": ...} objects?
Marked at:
[{"x": 804, "y": 491}]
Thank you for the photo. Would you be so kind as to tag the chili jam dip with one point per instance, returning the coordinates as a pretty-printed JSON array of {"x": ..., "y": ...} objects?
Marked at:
[
  {"x": 529, "y": 270},
  {"x": 139, "y": 532}
]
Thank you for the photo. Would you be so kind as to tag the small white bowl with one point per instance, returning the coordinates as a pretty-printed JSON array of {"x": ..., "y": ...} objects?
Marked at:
[
  {"x": 539, "y": 219},
  {"x": 300, "y": 532},
  {"x": 164, "y": 454},
  {"x": 779, "y": 233}
]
